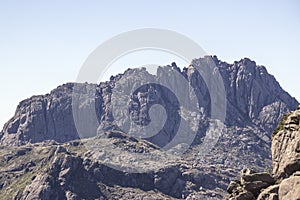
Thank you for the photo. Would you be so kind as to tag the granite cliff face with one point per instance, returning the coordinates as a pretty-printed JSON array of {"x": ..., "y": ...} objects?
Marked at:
[
  {"x": 284, "y": 182},
  {"x": 254, "y": 98},
  {"x": 42, "y": 117},
  {"x": 40, "y": 151},
  {"x": 286, "y": 146}
]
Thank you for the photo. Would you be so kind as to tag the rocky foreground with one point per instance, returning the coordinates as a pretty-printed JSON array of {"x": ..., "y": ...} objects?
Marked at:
[{"x": 284, "y": 182}]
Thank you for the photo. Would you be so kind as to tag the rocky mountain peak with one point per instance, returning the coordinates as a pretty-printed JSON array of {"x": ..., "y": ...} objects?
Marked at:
[{"x": 254, "y": 98}]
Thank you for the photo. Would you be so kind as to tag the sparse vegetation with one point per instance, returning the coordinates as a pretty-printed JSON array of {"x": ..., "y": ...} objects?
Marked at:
[
  {"x": 17, "y": 186},
  {"x": 16, "y": 180},
  {"x": 280, "y": 126}
]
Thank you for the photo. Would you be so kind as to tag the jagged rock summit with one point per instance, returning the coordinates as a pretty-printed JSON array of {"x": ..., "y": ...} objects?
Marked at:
[{"x": 254, "y": 98}]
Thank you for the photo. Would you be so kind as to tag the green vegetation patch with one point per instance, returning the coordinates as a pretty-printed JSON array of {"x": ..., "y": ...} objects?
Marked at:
[{"x": 280, "y": 126}]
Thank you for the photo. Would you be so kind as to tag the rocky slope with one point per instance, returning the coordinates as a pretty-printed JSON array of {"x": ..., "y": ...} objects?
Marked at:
[
  {"x": 284, "y": 182},
  {"x": 255, "y": 103},
  {"x": 50, "y": 170}
]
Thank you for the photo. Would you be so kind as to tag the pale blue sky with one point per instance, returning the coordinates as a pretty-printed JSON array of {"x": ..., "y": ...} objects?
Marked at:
[{"x": 43, "y": 44}]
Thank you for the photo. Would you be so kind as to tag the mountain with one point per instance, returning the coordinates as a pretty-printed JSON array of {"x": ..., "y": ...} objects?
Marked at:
[
  {"x": 284, "y": 182},
  {"x": 102, "y": 132},
  {"x": 254, "y": 98}
]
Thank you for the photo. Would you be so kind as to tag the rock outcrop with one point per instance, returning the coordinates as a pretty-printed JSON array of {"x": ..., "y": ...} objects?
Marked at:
[
  {"x": 50, "y": 170},
  {"x": 284, "y": 183},
  {"x": 249, "y": 185},
  {"x": 289, "y": 188},
  {"x": 286, "y": 146},
  {"x": 254, "y": 98},
  {"x": 43, "y": 117}
]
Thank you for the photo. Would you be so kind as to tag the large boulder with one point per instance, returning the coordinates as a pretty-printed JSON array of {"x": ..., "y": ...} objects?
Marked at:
[
  {"x": 290, "y": 188},
  {"x": 250, "y": 185},
  {"x": 248, "y": 175},
  {"x": 270, "y": 193}
]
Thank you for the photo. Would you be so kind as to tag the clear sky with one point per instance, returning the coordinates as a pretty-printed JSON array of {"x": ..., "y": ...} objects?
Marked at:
[{"x": 43, "y": 44}]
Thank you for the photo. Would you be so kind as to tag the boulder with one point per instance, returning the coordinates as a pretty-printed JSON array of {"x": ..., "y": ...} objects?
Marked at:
[
  {"x": 290, "y": 188},
  {"x": 262, "y": 176},
  {"x": 270, "y": 193},
  {"x": 245, "y": 195},
  {"x": 234, "y": 187},
  {"x": 255, "y": 186}
]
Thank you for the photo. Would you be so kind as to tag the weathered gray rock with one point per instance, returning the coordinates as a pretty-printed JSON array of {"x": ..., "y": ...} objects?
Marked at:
[
  {"x": 286, "y": 146},
  {"x": 42, "y": 187},
  {"x": 199, "y": 178},
  {"x": 262, "y": 176},
  {"x": 168, "y": 181},
  {"x": 270, "y": 193},
  {"x": 245, "y": 195},
  {"x": 255, "y": 187},
  {"x": 254, "y": 98},
  {"x": 285, "y": 183},
  {"x": 62, "y": 179},
  {"x": 253, "y": 94},
  {"x": 289, "y": 188},
  {"x": 65, "y": 171},
  {"x": 44, "y": 117},
  {"x": 250, "y": 183}
]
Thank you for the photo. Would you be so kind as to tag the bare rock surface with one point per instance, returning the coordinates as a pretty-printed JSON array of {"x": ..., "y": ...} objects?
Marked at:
[
  {"x": 250, "y": 185},
  {"x": 70, "y": 171},
  {"x": 286, "y": 146},
  {"x": 254, "y": 98},
  {"x": 284, "y": 183},
  {"x": 289, "y": 188}
]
